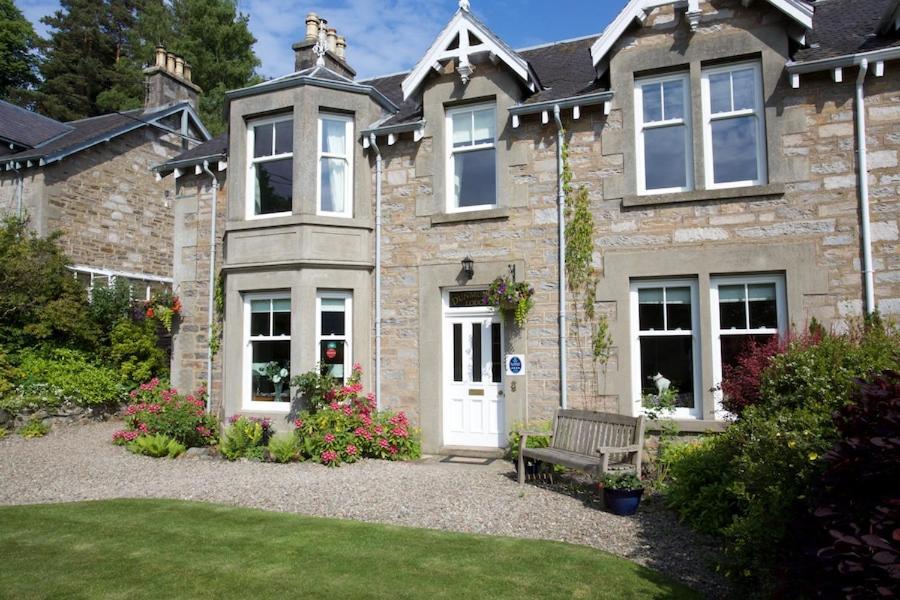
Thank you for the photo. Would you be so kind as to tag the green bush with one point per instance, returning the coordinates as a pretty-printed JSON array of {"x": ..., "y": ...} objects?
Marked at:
[
  {"x": 8, "y": 373},
  {"x": 157, "y": 446},
  {"x": 40, "y": 303},
  {"x": 133, "y": 346},
  {"x": 246, "y": 438},
  {"x": 283, "y": 448},
  {"x": 49, "y": 378},
  {"x": 35, "y": 428},
  {"x": 533, "y": 441},
  {"x": 155, "y": 408},
  {"x": 109, "y": 305}
]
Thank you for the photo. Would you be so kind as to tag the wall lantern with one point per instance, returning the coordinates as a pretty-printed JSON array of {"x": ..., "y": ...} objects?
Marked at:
[{"x": 468, "y": 266}]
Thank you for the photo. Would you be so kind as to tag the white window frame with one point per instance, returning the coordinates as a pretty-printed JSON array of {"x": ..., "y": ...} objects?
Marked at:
[
  {"x": 347, "y": 213},
  {"x": 252, "y": 162},
  {"x": 641, "y": 127},
  {"x": 347, "y": 338},
  {"x": 717, "y": 331},
  {"x": 247, "y": 393},
  {"x": 452, "y": 201},
  {"x": 636, "y": 285},
  {"x": 757, "y": 111}
]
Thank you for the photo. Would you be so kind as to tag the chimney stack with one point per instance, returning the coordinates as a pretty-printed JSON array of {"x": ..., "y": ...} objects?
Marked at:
[
  {"x": 168, "y": 81},
  {"x": 335, "y": 46}
]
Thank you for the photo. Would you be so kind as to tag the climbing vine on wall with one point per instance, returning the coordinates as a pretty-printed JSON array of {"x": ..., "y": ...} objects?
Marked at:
[
  {"x": 582, "y": 276},
  {"x": 215, "y": 340}
]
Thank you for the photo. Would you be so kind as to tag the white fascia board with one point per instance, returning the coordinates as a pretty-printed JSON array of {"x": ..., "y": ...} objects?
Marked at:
[
  {"x": 847, "y": 60},
  {"x": 638, "y": 10},
  {"x": 461, "y": 23}
]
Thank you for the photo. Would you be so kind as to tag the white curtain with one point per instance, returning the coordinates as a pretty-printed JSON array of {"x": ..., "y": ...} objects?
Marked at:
[{"x": 334, "y": 134}]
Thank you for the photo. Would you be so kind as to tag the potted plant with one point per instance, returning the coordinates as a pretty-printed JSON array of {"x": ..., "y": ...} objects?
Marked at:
[
  {"x": 277, "y": 375},
  {"x": 622, "y": 492},
  {"x": 511, "y": 296}
]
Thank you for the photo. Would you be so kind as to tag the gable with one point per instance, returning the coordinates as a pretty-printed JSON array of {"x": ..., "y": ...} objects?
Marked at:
[{"x": 467, "y": 40}]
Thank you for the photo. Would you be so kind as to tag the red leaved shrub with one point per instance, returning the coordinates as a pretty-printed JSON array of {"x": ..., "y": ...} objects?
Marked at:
[{"x": 740, "y": 383}]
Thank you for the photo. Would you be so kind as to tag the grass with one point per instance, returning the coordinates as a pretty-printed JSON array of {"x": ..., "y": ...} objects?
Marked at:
[{"x": 170, "y": 549}]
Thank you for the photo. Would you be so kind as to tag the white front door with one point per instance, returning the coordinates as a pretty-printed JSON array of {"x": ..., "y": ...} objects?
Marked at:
[{"x": 473, "y": 376}]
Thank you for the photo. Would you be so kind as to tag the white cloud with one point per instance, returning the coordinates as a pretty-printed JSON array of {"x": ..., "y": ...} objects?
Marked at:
[{"x": 382, "y": 36}]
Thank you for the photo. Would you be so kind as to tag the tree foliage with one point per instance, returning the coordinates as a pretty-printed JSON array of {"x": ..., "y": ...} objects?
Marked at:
[
  {"x": 18, "y": 64},
  {"x": 41, "y": 302}
]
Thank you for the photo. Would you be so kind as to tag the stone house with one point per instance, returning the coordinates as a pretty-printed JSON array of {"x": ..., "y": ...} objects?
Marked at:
[
  {"x": 92, "y": 178},
  {"x": 740, "y": 161}
]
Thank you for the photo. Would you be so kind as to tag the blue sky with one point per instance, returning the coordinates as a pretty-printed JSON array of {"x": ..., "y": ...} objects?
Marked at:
[{"x": 385, "y": 36}]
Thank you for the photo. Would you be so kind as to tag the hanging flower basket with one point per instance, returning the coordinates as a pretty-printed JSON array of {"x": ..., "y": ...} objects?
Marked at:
[
  {"x": 165, "y": 307},
  {"x": 511, "y": 297}
]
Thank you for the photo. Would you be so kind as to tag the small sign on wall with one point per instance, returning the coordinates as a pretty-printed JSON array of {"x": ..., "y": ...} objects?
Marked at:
[{"x": 515, "y": 364}]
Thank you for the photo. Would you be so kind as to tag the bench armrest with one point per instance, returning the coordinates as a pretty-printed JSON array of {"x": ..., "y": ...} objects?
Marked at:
[{"x": 619, "y": 449}]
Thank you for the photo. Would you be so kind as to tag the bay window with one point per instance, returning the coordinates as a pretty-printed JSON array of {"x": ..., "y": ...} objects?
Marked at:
[
  {"x": 472, "y": 154},
  {"x": 734, "y": 126},
  {"x": 271, "y": 167},
  {"x": 335, "y": 166},
  {"x": 663, "y": 113},
  {"x": 267, "y": 361}
]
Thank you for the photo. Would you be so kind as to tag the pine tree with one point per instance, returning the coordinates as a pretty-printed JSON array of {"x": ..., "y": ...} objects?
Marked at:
[{"x": 18, "y": 64}]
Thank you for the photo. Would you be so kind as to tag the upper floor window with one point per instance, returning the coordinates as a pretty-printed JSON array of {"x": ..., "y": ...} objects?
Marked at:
[
  {"x": 664, "y": 157},
  {"x": 734, "y": 126},
  {"x": 335, "y": 179},
  {"x": 271, "y": 176},
  {"x": 472, "y": 164}
]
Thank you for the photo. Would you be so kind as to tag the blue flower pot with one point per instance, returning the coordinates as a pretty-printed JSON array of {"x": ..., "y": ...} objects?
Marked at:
[{"x": 622, "y": 502}]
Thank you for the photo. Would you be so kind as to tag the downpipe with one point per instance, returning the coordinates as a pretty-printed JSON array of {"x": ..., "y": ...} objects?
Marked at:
[
  {"x": 211, "y": 307},
  {"x": 20, "y": 188},
  {"x": 863, "y": 161},
  {"x": 378, "y": 174},
  {"x": 561, "y": 208}
]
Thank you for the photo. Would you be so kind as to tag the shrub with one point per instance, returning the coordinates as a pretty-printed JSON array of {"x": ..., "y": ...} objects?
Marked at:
[
  {"x": 317, "y": 387},
  {"x": 283, "y": 448},
  {"x": 109, "y": 305},
  {"x": 533, "y": 441},
  {"x": 8, "y": 373},
  {"x": 850, "y": 542},
  {"x": 134, "y": 347},
  {"x": 157, "y": 446},
  {"x": 246, "y": 438},
  {"x": 3, "y": 432},
  {"x": 349, "y": 428},
  {"x": 741, "y": 382},
  {"x": 157, "y": 409},
  {"x": 35, "y": 428},
  {"x": 49, "y": 378},
  {"x": 41, "y": 302}
]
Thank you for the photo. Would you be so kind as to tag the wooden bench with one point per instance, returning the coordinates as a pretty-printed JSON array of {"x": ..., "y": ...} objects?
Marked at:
[{"x": 593, "y": 442}]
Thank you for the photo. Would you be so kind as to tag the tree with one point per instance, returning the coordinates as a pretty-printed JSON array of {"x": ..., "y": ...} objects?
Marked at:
[{"x": 18, "y": 64}]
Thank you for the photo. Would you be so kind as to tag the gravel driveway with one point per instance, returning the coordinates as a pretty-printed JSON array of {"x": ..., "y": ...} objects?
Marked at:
[{"x": 80, "y": 463}]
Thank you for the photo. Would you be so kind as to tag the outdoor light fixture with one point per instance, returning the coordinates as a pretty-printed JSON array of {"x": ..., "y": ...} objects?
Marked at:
[{"x": 468, "y": 266}]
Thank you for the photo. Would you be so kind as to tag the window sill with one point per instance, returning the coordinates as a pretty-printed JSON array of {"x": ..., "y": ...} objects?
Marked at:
[
  {"x": 753, "y": 191},
  {"x": 474, "y": 215},
  {"x": 303, "y": 219}
]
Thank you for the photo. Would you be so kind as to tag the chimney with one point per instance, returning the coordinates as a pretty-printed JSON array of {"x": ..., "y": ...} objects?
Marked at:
[
  {"x": 168, "y": 81},
  {"x": 335, "y": 48}
]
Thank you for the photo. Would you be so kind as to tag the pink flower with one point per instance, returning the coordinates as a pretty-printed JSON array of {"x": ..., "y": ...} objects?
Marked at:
[
  {"x": 393, "y": 450},
  {"x": 400, "y": 431},
  {"x": 329, "y": 456},
  {"x": 383, "y": 443},
  {"x": 329, "y": 438},
  {"x": 378, "y": 429},
  {"x": 298, "y": 423},
  {"x": 348, "y": 410},
  {"x": 334, "y": 406},
  {"x": 357, "y": 367},
  {"x": 366, "y": 419},
  {"x": 203, "y": 431},
  {"x": 350, "y": 450}
]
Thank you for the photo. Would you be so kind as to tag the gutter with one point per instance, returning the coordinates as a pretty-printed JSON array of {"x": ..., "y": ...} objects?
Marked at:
[
  {"x": 378, "y": 174},
  {"x": 847, "y": 60},
  {"x": 570, "y": 102},
  {"x": 862, "y": 161},
  {"x": 389, "y": 129},
  {"x": 212, "y": 283},
  {"x": 561, "y": 208}
]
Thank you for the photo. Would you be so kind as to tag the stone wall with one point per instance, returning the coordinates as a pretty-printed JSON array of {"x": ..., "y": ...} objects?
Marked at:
[
  {"x": 111, "y": 210},
  {"x": 192, "y": 211}
]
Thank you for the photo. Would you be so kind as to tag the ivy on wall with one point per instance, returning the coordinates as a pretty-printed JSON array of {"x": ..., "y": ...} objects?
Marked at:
[
  {"x": 215, "y": 340},
  {"x": 582, "y": 276}
]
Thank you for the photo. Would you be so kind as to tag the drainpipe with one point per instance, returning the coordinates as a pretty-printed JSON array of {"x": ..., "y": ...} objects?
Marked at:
[
  {"x": 862, "y": 160},
  {"x": 20, "y": 184},
  {"x": 378, "y": 173},
  {"x": 561, "y": 207},
  {"x": 212, "y": 283}
]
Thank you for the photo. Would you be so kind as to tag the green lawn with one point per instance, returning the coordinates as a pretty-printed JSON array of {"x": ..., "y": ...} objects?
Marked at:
[{"x": 164, "y": 549}]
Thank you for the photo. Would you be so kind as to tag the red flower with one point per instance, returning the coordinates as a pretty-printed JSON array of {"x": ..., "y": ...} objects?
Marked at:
[{"x": 150, "y": 313}]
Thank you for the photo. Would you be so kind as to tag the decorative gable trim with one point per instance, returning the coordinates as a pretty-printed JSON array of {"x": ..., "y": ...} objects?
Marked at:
[
  {"x": 638, "y": 10},
  {"x": 456, "y": 34}
]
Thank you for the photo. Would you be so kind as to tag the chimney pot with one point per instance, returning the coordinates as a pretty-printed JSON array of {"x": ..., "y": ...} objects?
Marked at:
[
  {"x": 161, "y": 57},
  {"x": 331, "y": 32},
  {"x": 312, "y": 26},
  {"x": 179, "y": 66},
  {"x": 170, "y": 62},
  {"x": 341, "y": 47},
  {"x": 187, "y": 71}
]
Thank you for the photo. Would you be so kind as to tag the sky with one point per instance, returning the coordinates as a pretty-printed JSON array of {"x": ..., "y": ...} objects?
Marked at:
[{"x": 387, "y": 36}]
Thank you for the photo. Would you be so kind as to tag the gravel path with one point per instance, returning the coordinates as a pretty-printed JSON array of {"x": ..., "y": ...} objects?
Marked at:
[{"x": 79, "y": 463}]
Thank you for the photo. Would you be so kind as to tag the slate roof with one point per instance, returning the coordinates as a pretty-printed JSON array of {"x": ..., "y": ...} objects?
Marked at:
[
  {"x": 216, "y": 147},
  {"x": 26, "y": 128},
  {"x": 842, "y": 27},
  {"x": 83, "y": 133}
]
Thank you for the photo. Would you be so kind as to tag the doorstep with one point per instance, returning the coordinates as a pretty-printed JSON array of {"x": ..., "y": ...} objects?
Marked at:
[{"x": 471, "y": 451}]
